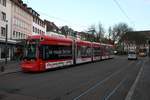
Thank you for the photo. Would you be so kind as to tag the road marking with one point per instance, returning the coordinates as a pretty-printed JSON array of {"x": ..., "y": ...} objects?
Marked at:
[
  {"x": 110, "y": 94},
  {"x": 99, "y": 83},
  {"x": 114, "y": 90},
  {"x": 132, "y": 89},
  {"x": 139, "y": 62}
]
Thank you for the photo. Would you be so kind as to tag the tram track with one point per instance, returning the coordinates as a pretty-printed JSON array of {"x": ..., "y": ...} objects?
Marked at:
[
  {"x": 92, "y": 81},
  {"x": 101, "y": 82},
  {"x": 107, "y": 81}
]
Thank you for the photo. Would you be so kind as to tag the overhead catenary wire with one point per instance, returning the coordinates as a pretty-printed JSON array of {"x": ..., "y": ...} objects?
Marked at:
[
  {"x": 124, "y": 12},
  {"x": 60, "y": 19}
]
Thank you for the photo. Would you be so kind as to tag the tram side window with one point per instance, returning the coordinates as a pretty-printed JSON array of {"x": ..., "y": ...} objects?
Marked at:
[
  {"x": 84, "y": 51},
  {"x": 57, "y": 52},
  {"x": 103, "y": 48},
  {"x": 111, "y": 51},
  {"x": 97, "y": 51}
]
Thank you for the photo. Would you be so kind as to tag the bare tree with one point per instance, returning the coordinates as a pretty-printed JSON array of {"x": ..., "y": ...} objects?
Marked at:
[
  {"x": 97, "y": 31},
  {"x": 100, "y": 33},
  {"x": 118, "y": 31},
  {"x": 110, "y": 32},
  {"x": 92, "y": 29}
]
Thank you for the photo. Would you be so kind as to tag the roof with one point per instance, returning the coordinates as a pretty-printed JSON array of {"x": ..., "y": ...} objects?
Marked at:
[
  {"x": 50, "y": 25},
  {"x": 50, "y": 38},
  {"x": 146, "y": 33},
  {"x": 22, "y": 5},
  {"x": 85, "y": 43}
]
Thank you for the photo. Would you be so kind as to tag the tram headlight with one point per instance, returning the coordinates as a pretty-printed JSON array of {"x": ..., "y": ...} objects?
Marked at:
[{"x": 32, "y": 60}]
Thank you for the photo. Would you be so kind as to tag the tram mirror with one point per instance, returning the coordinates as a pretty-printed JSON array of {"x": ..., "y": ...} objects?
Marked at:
[{"x": 41, "y": 39}]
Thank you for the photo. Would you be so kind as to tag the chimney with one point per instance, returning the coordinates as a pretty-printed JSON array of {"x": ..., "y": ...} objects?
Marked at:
[
  {"x": 20, "y": 1},
  {"x": 25, "y": 5},
  {"x": 29, "y": 9}
]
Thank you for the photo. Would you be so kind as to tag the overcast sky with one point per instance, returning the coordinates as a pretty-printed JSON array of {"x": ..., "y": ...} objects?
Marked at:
[{"x": 80, "y": 14}]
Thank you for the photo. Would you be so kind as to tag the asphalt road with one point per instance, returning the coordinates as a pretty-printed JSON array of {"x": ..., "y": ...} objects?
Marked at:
[{"x": 104, "y": 80}]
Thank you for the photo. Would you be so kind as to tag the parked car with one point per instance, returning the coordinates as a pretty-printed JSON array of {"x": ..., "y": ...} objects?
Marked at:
[
  {"x": 115, "y": 52},
  {"x": 142, "y": 54},
  {"x": 132, "y": 55}
]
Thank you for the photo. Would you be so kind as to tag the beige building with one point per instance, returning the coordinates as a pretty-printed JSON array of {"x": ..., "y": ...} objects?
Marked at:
[
  {"x": 5, "y": 27},
  {"x": 21, "y": 20},
  {"x": 16, "y": 21}
]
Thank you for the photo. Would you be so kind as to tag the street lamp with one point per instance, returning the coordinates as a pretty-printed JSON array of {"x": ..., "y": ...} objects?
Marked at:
[{"x": 6, "y": 41}]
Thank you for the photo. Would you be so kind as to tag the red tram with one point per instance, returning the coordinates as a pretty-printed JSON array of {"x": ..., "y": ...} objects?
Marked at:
[
  {"x": 83, "y": 51},
  {"x": 97, "y": 51},
  {"x": 46, "y": 52}
]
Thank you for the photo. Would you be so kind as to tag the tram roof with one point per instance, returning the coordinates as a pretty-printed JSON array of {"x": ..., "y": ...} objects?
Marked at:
[
  {"x": 82, "y": 42},
  {"x": 50, "y": 38},
  {"x": 96, "y": 44}
]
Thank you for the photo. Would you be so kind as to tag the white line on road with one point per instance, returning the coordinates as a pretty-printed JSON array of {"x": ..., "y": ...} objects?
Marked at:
[
  {"x": 99, "y": 83},
  {"x": 114, "y": 90},
  {"x": 132, "y": 89}
]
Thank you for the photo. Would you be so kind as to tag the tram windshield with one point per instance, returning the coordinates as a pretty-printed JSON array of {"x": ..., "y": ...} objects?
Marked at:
[{"x": 30, "y": 50}]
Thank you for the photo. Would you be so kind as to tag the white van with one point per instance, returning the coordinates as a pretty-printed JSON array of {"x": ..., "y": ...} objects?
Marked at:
[{"x": 132, "y": 55}]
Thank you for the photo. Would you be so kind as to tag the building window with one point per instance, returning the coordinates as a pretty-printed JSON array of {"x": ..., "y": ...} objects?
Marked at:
[
  {"x": 3, "y": 16},
  {"x": 4, "y": 2},
  {"x": 38, "y": 31},
  {"x": 19, "y": 35},
  {"x": 3, "y": 31},
  {"x": 23, "y": 36},
  {"x": 33, "y": 28},
  {"x": 14, "y": 34},
  {"x": 34, "y": 19}
]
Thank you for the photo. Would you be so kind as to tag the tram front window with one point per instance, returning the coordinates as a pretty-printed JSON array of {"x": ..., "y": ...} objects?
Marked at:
[{"x": 30, "y": 52}]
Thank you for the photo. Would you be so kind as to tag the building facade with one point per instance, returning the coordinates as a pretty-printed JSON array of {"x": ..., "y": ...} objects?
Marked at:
[
  {"x": 51, "y": 27},
  {"x": 15, "y": 21},
  {"x": 21, "y": 20},
  {"x": 38, "y": 25},
  {"x": 5, "y": 29}
]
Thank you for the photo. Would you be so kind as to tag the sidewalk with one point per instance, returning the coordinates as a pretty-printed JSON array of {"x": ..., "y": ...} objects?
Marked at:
[{"x": 10, "y": 67}]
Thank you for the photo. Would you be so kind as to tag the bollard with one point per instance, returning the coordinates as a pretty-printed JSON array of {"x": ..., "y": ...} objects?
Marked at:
[{"x": 2, "y": 68}]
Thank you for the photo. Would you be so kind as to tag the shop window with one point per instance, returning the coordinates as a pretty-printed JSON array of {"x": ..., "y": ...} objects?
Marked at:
[{"x": 3, "y": 52}]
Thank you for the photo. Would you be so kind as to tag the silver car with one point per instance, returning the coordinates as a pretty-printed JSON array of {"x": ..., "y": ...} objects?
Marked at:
[{"x": 132, "y": 55}]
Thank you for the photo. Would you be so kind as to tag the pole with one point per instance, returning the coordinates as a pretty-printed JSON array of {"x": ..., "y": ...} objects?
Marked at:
[
  {"x": 149, "y": 48},
  {"x": 6, "y": 49}
]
